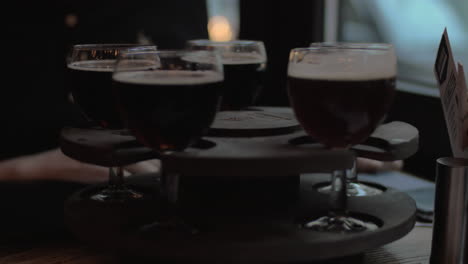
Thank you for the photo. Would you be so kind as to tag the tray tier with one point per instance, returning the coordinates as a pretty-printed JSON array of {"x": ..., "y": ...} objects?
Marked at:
[
  {"x": 236, "y": 223},
  {"x": 240, "y": 144}
]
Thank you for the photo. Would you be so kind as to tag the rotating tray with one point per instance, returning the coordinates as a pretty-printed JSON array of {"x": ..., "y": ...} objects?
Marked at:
[
  {"x": 253, "y": 219},
  {"x": 241, "y": 143},
  {"x": 245, "y": 226}
]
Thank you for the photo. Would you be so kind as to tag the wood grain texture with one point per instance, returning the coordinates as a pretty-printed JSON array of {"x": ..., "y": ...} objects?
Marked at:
[
  {"x": 68, "y": 253},
  {"x": 415, "y": 248},
  {"x": 412, "y": 249}
]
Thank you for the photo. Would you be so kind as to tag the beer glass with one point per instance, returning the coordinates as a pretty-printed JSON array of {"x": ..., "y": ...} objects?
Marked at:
[
  {"x": 340, "y": 92},
  {"x": 90, "y": 68},
  {"x": 354, "y": 187},
  {"x": 168, "y": 107},
  {"x": 244, "y": 64}
]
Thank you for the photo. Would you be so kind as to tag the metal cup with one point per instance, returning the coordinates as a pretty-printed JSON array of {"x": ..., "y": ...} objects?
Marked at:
[{"x": 449, "y": 239}]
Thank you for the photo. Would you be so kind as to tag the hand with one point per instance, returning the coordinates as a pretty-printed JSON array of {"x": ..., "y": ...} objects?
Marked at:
[{"x": 374, "y": 166}]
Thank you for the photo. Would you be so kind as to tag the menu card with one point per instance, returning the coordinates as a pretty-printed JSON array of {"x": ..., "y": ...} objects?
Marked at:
[{"x": 454, "y": 97}]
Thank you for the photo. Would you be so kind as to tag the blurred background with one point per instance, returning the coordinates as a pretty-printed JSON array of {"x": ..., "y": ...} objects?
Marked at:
[{"x": 415, "y": 28}]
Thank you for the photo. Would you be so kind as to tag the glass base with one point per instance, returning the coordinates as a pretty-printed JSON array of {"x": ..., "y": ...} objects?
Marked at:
[
  {"x": 355, "y": 189},
  {"x": 339, "y": 224},
  {"x": 116, "y": 195}
]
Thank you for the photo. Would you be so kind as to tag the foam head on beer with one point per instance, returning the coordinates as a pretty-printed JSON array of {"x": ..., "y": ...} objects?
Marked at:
[
  {"x": 162, "y": 77},
  {"x": 235, "y": 51},
  {"x": 93, "y": 65},
  {"x": 351, "y": 64}
]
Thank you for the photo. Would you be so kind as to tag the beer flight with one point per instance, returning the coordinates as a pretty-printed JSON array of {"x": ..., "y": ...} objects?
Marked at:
[{"x": 167, "y": 99}]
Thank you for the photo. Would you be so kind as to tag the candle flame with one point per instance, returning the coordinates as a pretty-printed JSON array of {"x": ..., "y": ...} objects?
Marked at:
[{"x": 219, "y": 29}]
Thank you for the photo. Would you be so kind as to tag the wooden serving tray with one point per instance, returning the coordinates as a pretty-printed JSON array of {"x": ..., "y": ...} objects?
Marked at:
[
  {"x": 241, "y": 143},
  {"x": 242, "y": 193}
]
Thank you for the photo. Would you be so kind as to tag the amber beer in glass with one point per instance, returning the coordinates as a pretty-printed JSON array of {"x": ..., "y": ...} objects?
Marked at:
[{"x": 340, "y": 93}]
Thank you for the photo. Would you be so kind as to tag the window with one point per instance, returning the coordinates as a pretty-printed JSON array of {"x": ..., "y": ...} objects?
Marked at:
[{"x": 414, "y": 27}]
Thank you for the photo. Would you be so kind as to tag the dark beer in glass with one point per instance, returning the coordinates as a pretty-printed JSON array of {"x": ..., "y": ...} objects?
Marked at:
[
  {"x": 172, "y": 105},
  {"x": 168, "y": 110},
  {"x": 91, "y": 91},
  {"x": 244, "y": 64},
  {"x": 90, "y": 79}
]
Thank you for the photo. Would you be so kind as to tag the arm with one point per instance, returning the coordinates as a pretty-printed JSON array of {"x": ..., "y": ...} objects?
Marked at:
[
  {"x": 54, "y": 165},
  {"x": 374, "y": 166}
]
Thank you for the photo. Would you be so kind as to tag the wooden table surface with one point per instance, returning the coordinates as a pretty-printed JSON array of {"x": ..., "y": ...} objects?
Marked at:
[{"x": 414, "y": 248}]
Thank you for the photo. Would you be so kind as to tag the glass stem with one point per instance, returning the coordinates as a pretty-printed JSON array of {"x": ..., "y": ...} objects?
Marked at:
[
  {"x": 338, "y": 194},
  {"x": 352, "y": 176},
  {"x": 116, "y": 177}
]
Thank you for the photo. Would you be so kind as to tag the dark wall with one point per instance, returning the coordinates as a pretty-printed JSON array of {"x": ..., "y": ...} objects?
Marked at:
[
  {"x": 167, "y": 23},
  {"x": 426, "y": 114}
]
